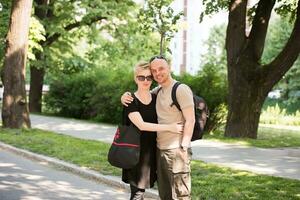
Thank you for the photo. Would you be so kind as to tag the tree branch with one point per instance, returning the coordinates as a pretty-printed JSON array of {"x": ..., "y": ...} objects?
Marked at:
[
  {"x": 286, "y": 58},
  {"x": 259, "y": 28},
  {"x": 235, "y": 37},
  {"x": 69, "y": 27}
]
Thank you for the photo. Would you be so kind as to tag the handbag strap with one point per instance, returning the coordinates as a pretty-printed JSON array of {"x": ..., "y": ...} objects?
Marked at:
[{"x": 124, "y": 116}]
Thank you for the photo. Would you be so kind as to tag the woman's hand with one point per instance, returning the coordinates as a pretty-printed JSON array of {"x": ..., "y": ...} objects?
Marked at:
[
  {"x": 126, "y": 98},
  {"x": 176, "y": 127}
]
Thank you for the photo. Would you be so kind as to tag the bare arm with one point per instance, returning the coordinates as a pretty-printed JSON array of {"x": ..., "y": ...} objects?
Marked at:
[
  {"x": 126, "y": 98},
  {"x": 138, "y": 121},
  {"x": 189, "y": 116}
]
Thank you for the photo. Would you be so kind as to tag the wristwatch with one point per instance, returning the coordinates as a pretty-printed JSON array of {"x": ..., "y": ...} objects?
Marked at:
[{"x": 184, "y": 148}]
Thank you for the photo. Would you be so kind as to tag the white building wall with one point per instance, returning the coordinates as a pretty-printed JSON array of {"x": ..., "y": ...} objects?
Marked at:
[{"x": 197, "y": 34}]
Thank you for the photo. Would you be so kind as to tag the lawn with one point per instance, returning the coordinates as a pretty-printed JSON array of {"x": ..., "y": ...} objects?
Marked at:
[
  {"x": 269, "y": 136},
  {"x": 210, "y": 182}
]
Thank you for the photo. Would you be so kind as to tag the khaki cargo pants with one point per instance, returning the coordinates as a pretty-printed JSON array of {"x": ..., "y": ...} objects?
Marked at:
[{"x": 173, "y": 172}]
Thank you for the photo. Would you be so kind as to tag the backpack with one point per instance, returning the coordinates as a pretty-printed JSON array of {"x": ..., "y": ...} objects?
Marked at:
[{"x": 201, "y": 113}]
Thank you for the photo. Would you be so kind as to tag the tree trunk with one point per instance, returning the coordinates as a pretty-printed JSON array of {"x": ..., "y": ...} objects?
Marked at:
[
  {"x": 161, "y": 49},
  {"x": 245, "y": 101},
  {"x": 248, "y": 81},
  {"x": 15, "y": 109},
  {"x": 37, "y": 73},
  {"x": 36, "y": 89}
]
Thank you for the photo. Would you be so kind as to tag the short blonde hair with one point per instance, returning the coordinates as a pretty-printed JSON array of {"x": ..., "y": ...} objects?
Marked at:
[{"x": 142, "y": 65}]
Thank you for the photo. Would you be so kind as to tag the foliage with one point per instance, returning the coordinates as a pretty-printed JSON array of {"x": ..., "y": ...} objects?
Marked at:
[
  {"x": 4, "y": 16},
  {"x": 290, "y": 109},
  {"x": 111, "y": 49},
  {"x": 158, "y": 16},
  {"x": 74, "y": 96},
  {"x": 94, "y": 94},
  {"x": 209, "y": 181},
  {"x": 282, "y": 7},
  {"x": 278, "y": 35},
  {"x": 211, "y": 7},
  {"x": 216, "y": 53},
  {"x": 36, "y": 35},
  {"x": 276, "y": 115},
  {"x": 210, "y": 83},
  {"x": 70, "y": 25}
]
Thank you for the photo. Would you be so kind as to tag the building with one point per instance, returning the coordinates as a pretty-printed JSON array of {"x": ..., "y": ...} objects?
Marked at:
[{"x": 187, "y": 46}]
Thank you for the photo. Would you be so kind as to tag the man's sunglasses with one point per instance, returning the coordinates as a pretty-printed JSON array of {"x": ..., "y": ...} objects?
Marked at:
[
  {"x": 143, "y": 78},
  {"x": 158, "y": 57}
]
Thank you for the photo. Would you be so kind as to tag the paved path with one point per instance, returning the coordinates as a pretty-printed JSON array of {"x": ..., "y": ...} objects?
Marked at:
[
  {"x": 21, "y": 178},
  {"x": 282, "y": 162}
]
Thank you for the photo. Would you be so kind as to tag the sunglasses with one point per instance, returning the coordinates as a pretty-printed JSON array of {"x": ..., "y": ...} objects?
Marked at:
[
  {"x": 143, "y": 78},
  {"x": 158, "y": 57}
]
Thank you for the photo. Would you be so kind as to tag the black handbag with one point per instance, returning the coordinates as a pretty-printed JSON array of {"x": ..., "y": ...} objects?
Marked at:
[{"x": 124, "y": 151}]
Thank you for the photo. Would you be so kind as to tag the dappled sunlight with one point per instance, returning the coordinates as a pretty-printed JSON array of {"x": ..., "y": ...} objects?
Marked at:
[
  {"x": 75, "y": 128},
  {"x": 7, "y": 165},
  {"x": 235, "y": 5},
  {"x": 278, "y": 162},
  {"x": 25, "y": 179}
]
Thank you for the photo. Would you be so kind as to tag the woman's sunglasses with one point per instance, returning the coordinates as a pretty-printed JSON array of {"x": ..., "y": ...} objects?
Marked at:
[{"x": 143, "y": 78}]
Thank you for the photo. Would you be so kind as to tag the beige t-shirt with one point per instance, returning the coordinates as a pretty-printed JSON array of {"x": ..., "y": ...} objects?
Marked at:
[{"x": 167, "y": 114}]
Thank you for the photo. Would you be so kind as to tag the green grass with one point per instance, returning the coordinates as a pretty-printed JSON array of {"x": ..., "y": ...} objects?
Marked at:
[
  {"x": 277, "y": 115},
  {"x": 210, "y": 182},
  {"x": 88, "y": 153},
  {"x": 268, "y": 137}
]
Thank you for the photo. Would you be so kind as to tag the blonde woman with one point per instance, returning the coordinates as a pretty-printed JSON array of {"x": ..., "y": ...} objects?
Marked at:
[{"x": 143, "y": 115}]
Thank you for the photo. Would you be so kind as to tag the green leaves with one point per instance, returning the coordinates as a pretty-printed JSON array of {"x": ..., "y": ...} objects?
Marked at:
[
  {"x": 5, "y": 7},
  {"x": 212, "y": 7},
  {"x": 158, "y": 16},
  {"x": 36, "y": 35},
  {"x": 286, "y": 8}
]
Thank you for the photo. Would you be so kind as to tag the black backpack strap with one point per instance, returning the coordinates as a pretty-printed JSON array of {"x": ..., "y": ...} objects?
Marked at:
[
  {"x": 159, "y": 89},
  {"x": 173, "y": 95}
]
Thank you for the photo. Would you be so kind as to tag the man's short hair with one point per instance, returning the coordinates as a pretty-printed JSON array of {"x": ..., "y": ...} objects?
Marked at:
[{"x": 158, "y": 57}]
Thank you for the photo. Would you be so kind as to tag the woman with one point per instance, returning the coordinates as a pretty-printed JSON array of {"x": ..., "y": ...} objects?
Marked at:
[{"x": 143, "y": 116}]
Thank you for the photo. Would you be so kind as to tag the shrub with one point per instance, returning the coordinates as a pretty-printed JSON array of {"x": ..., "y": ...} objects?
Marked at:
[
  {"x": 89, "y": 95},
  {"x": 96, "y": 94}
]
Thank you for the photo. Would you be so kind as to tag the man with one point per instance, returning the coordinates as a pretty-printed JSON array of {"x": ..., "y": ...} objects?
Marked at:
[{"x": 173, "y": 150}]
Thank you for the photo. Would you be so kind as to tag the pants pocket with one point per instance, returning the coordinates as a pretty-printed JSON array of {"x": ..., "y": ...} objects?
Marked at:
[
  {"x": 181, "y": 162},
  {"x": 182, "y": 186}
]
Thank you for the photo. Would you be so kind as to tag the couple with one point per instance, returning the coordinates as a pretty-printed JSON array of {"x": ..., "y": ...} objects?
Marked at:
[{"x": 168, "y": 153}]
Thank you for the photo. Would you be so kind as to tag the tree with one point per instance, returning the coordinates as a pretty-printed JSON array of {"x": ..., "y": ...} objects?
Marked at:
[
  {"x": 15, "y": 110},
  {"x": 249, "y": 81},
  {"x": 4, "y": 22},
  {"x": 278, "y": 34},
  {"x": 215, "y": 56},
  {"x": 61, "y": 18},
  {"x": 158, "y": 16}
]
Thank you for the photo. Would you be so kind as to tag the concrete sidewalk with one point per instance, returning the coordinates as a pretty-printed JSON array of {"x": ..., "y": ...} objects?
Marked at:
[
  {"x": 281, "y": 162},
  {"x": 23, "y": 178},
  {"x": 27, "y": 175}
]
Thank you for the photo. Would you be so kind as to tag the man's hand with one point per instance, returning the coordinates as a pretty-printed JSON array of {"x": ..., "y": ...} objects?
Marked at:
[{"x": 126, "y": 98}]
